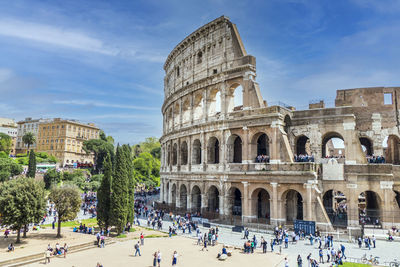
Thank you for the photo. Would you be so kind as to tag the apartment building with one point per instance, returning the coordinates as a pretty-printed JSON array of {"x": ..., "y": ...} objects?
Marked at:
[{"x": 9, "y": 127}]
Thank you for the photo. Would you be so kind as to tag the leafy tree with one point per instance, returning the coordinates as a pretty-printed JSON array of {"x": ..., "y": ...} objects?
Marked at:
[
  {"x": 104, "y": 195},
  {"x": 22, "y": 201},
  {"x": 32, "y": 165},
  {"x": 147, "y": 170},
  {"x": 67, "y": 202},
  {"x": 51, "y": 177},
  {"x": 156, "y": 152},
  {"x": 137, "y": 150},
  {"x": 3, "y": 155},
  {"x": 120, "y": 194},
  {"x": 100, "y": 148},
  {"x": 5, "y": 143},
  {"x": 9, "y": 168},
  {"x": 29, "y": 139},
  {"x": 131, "y": 183}
]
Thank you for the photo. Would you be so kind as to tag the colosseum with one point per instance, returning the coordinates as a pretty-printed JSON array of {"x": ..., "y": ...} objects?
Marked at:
[{"x": 229, "y": 155}]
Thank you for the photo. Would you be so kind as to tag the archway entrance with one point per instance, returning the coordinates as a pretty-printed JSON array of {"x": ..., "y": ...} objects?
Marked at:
[
  {"x": 184, "y": 153},
  {"x": 213, "y": 151},
  {"x": 235, "y": 201},
  {"x": 333, "y": 146},
  {"x": 173, "y": 194},
  {"x": 335, "y": 204},
  {"x": 234, "y": 146},
  {"x": 196, "y": 199},
  {"x": 303, "y": 146},
  {"x": 369, "y": 208},
  {"x": 366, "y": 146},
  {"x": 196, "y": 157},
  {"x": 213, "y": 199},
  {"x": 293, "y": 206},
  {"x": 183, "y": 197},
  {"x": 261, "y": 205}
]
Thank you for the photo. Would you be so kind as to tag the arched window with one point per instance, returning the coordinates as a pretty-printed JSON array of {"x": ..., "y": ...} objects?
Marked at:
[
  {"x": 185, "y": 111},
  {"x": 288, "y": 123},
  {"x": 366, "y": 146},
  {"x": 184, "y": 153},
  {"x": 234, "y": 146},
  {"x": 175, "y": 154},
  {"x": 293, "y": 205},
  {"x": 333, "y": 145},
  {"x": 303, "y": 146},
  {"x": 214, "y": 102},
  {"x": 213, "y": 151},
  {"x": 176, "y": 114},
  {"x": 335, "y": 204},
  {"x": 369, "y": 204},
  {"x": 196, "y": 157},
  {"x": 198, "y": 106},
  {"x": 235, "y": 98}
]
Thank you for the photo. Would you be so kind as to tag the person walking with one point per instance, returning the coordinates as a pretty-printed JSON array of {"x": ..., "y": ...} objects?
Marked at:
[
  {"x": 174, "y": 258},
  {"x": 264, "y": 245},
  {"x": 102, "y": 241},
  {"x": 47, "y": 255},
  {"x": 286, "y": 262},
  {"x": 65, "y": 250},
  {"x": 343, "y": 248},
  {"x": 137, "y": 249},
  {"x": 374, "y": 241},
  {"x": 321, "y": 256},
  {"x": 141, "y": 239}
]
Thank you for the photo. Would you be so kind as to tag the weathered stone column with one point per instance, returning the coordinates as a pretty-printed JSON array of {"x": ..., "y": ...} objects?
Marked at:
[
  {"x": 275, "y": 143},
  {"x": 274, "y": 205},
  {"x": 352, "y": 205},
  {"x": 245, "y": 202},
  {"x": 308, "y": 203},
  {"x": 221, "y": 204},
  {"x": 178, "y": 195},
  {"x": 204, "y": 202},
  {"x": 189, "y": 201},
  {"x": 387, "y": 213},
  {"x": 169, "y": 194},
  {"x": 162, "y": 190}
]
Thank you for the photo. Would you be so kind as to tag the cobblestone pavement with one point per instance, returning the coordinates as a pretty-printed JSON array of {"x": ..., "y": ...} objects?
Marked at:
[{"x": 386, "y": 251}]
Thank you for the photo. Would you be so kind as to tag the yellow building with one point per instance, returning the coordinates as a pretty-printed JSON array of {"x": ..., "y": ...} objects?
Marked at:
[{"x": 64, "y": 139}]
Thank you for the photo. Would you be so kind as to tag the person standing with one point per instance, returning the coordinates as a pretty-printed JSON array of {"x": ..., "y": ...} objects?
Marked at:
[
  {"x": 65, "y": 250},
  {"x": 286, "y": 262},
  {"x": 374, "y": 241},
  {"x": 174, "y": 258},
  {"x": 142, "y": 239},
  {"x": 155, "y": 259},
  {"x": 321, "y": 256},
  {"x": 159, "y": 258},
  {"x": 47, "y": 255},
  {"x": 299, "y": 261},
  {"x": 137, "y": 249},
  {"x": 343, "y": 248},
  {"x": 102, "y": 241},
  {"x": 264, "y": 245}
]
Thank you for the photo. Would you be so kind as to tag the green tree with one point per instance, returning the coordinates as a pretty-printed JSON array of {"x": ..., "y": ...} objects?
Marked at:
[
  {"x": 131, "y": 183},
  {"x": 120, "y": 195},
  {"x": 51, "y": 177},
  {"x": 100, "y": 148},
  {"x": 104, "y": 195},
  {"x": 67, "y": 202},
  {"x": 9, "y": 168},
  {"x": 22, "y": 201},
  {"x": 5, "y": 143},
  {"x": 29, "y": 139},
  {"x": 32, "y": 165},
  {"x": 147, "y": 170}
]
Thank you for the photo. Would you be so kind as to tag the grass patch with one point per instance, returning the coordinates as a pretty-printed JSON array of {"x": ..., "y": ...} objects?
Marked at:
[
  {"x": 132, "y": 230},
  {"x": 154, "y": 236},
  {"x": 121, "y": 236},
  {"x": 89, "y": 222},
  {"x": 352, "y": 264}
]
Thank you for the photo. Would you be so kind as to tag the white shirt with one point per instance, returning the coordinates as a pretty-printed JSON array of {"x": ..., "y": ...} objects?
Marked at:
[{"x": 159, "y": 256}]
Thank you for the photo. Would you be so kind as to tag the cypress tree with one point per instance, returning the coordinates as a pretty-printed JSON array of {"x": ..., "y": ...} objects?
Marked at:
[
  {"x": 104, "y": 195},
  {"x": 119, "y": 189},
  {"x": 32, "y": 165},
  {"x": 131, "y": 180}
]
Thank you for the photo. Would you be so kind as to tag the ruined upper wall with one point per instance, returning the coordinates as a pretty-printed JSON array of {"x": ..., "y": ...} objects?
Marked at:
[
  {"x": 367, "y": 97},
  {"x": 214, "y": 48}
]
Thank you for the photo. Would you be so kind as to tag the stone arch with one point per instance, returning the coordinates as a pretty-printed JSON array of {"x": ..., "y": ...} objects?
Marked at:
[
  {"x": 303, "y": 145},
  {"x": 293, "y": 205},
  {"x": 184, "y": 153},
  {"x": 235, "y": 201},
  {"x": 177, "y": 114},
  {"x": 259, "y": 146},
  {"x": 329, "y": 141},
  {"x": 213, "y": 199},
  {"x": 169, "y": 155},
  {"x": 213, "y": 150},
  {"x": 397, "y": 198},
  {"x": 214, "y": 102},
  {"x": 170, "y": 119},
  {"x": 175, "y": 154},
  {"x": 391, "y": 149},
  {"x": 196, "y": 198},
  {"x": 186, "y": 110},
  {"x": 367, "y": 146},
  {"x": 235, "y": 97},
  {"x": 335, "y": 204},
  {"x": 234, "y": 149},
  {"x": 173, "y": 194},
  {"x": 198, "y": 106},
  {"x": 260, "y": 205},
  {"x": 196, "y": 152},
  {"x": 369, "y": 207},
  {"x": 183, "y": 196}
]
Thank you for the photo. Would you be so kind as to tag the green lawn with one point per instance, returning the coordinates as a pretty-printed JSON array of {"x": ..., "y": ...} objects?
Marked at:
[
  {"x": 351, "y": 264},
  {"x": 88, "y": 222}
]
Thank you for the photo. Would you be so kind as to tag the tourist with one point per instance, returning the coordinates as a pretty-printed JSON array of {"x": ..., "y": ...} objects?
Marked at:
[
  {"x": 142, "y": 239},
  {"x": 10, "y": 247},
  {"x": 299, "y": 261},
  {"x": 374, "y": 241},
  {"x": 99, "y": 264},
  {"x": 47, "y": 255},
  {"x": 65, "y": 250},
  {"x": 321, "y": 256},
  {"x": 6, "y": 233},
  {"x": 204, "y": 244},
  {"x": 155, "y": 259},
  {"x": 286, "y": 262},
  {"x": 102, "y": 241},
  {"x": 159, "y": 258},
  {"x": 263, "y": 245},
  {"x": 137, "y": 249},
  {"x": 174, "y": 258},
  {"x": 342, "y": 249},
  {"x": 98, "y": 239}
]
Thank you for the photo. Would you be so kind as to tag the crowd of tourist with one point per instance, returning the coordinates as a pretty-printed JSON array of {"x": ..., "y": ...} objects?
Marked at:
[
  {"x": 376, "y": 159},
  {"x": 262, "y": 159},
  {"x": 303, "y": 158},
  {"x": 89, "y": 203}
]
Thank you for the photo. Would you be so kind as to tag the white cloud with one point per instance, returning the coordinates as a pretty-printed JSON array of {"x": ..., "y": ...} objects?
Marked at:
[
  {"x": 102, "y": 104},
  {"x": 5, "y": 74},
  {"x": 53, "y": 35}
]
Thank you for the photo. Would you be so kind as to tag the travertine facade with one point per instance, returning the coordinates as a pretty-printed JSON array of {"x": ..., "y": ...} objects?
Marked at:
[{"x": 216, "y": 124}]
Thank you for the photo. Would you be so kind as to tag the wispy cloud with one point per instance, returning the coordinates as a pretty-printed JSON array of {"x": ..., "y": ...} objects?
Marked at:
[
  {"x": 52, "y": 35},
  {"x": 78, "y": 102}
]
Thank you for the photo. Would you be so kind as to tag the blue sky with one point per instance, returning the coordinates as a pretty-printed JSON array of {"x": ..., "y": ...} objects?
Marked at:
[{"x": 101, "y": 61}]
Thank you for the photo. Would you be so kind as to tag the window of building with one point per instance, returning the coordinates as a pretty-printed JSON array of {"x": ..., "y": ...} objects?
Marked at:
[
  {"x": 62, "y": 126},
  {"x": 199, "y": 57},
  {"x": 387, "y": 98},
  {"x": 58, "y": 126}
]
